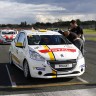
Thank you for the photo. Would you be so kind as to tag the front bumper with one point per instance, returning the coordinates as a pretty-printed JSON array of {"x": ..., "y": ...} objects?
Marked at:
[
  {"x": 46, "y": 71},
  {"x": 6, "y": 42}
]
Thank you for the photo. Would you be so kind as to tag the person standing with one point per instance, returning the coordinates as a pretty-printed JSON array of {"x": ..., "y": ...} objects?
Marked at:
[{"x": 74, "y": 27}]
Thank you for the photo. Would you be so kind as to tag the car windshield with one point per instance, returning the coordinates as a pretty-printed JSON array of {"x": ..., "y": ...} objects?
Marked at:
[
  {"x": 10, "y": 32},
  {"x": 47, "y": 40}
]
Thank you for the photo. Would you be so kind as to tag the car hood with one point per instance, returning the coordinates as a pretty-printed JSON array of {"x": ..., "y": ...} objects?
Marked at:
[{"x": 56, "y": 52}]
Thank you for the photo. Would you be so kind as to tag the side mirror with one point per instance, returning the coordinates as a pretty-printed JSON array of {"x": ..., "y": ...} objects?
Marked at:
[{"x": 19, "y": 44}]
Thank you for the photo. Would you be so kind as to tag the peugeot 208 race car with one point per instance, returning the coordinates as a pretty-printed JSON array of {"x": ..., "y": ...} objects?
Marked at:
[
  {"x": 6, "y": 36},
  {"x": 46, "y": 55}
]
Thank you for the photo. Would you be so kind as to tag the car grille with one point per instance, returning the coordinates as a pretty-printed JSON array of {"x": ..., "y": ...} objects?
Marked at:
[
  {"x": 8, "y": 40},
  {"x": 72, "y": 61}
]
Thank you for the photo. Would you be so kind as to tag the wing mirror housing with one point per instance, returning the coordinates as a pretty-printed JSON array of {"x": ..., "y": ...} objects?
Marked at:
[{"x": 19, "y": 44}]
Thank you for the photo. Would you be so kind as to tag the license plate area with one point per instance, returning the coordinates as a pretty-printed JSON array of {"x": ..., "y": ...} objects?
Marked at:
[
  {"x": 63, "y": 66},
  {"x": 8, "y": 40}
]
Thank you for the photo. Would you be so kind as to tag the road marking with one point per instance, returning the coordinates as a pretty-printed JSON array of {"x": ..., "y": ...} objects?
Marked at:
[
  {"x": 82, "y": 80},
  {"x": 45, "y": 85},
  {"x": 74, "y": 92},
  {"x": 49, "y": 85},
  {"x": 12, "y": 83}
]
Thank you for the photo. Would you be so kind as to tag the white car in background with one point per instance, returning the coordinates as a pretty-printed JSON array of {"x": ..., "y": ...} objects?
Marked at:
[
  {"x": 6, "y": 36},
  {"x": 46, "y": 55}
]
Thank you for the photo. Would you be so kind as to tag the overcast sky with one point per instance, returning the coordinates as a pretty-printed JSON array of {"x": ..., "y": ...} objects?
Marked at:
[{"x": 16, "y": 11}]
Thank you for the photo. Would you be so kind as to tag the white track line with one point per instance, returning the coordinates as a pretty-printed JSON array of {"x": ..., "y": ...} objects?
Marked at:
[
  {"x": 82, "y": 80},
  {"x": 12, "y": 83}
]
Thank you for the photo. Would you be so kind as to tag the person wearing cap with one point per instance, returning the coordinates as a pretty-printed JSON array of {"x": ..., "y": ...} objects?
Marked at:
[
  {"x": 76, "y": 29},
  {"x": 73, "y": 37}
]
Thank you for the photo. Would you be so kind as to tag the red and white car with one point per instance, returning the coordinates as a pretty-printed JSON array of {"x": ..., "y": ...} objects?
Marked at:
[{"x": 7, "y": 36}]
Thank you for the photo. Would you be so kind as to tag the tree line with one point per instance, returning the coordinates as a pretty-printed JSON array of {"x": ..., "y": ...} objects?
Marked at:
[{"x": 59, "y": 24}]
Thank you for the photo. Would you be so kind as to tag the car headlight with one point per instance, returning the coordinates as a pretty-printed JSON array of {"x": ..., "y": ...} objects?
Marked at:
[
  {"x": 80, "y": 56},
  {"x": 34, "y": 55}
]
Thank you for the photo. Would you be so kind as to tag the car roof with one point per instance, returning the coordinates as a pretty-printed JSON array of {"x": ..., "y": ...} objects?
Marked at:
[
  {"x": 38, "y": 32},
  {"x": 7, "y": 30}
]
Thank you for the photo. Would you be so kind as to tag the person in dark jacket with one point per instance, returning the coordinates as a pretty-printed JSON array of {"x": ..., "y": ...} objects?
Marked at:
[
  {"x": 76, "y": 29},
  {"x": 73, "y": 37}
]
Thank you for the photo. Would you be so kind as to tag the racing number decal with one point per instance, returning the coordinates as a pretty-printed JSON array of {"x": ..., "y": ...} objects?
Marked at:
[{"x": 49, "y": 53}]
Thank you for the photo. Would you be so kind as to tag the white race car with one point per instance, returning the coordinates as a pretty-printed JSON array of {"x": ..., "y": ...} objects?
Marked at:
[
  {"x": 46, "y": 55},
  {"x": 6, "y": 36}
]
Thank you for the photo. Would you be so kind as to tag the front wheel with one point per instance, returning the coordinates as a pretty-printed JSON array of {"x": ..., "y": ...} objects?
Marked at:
[{"x": 26, "y": 70}]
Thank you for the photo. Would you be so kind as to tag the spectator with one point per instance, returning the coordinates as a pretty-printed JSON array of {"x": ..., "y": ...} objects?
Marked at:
[
  {"x": 76, "y": 29},
  {"x": 73, "y": 37}
]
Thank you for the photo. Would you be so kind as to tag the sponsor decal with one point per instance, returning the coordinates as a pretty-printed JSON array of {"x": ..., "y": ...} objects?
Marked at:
[
  {"x": 57, "y": 50},
  {"x": 82, "y": 65},
  {"x": 40, "y": 68},
  {"x": 36, "y": 47},
  {"x": 62, "y": 55},
  {"x": 15, "y": 58}
]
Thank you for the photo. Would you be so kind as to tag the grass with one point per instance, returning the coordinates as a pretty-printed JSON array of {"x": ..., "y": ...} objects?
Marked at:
[
  {"x": 86, "y": 31},
  {"x": 90, "y": 38},
  {"x": 89, "y": 31}
]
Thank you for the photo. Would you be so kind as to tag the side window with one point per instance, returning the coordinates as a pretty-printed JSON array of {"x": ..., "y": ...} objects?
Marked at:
[
  {"x": 16, "y": 38},
  {"x": 24, "y": 43},
  {"x": 21, "y": 38}
]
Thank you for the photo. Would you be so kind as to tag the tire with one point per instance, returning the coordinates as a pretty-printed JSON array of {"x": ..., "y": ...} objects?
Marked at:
[
  {"x": 26, "y": 70},
  {"x": 10, "y": 59}
]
